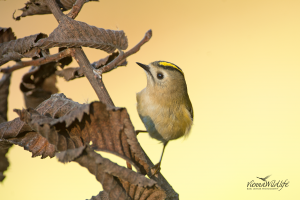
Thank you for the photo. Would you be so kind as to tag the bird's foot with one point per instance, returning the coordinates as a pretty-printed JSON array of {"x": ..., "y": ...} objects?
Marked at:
[{"x": 155, "y": 170}]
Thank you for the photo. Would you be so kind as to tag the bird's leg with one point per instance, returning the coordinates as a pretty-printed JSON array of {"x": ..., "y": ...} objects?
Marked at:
[
  {"x": 140, "y": 131},
  {"x": 156, "y": 167}
]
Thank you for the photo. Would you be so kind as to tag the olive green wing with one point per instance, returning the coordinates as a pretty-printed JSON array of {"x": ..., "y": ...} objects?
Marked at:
[{"x": 189, "y": 107}]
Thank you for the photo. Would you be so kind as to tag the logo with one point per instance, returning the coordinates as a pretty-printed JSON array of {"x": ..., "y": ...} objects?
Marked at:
[
  {"x": 263, "y": 184},
  {"x": 264, "y": 179}
]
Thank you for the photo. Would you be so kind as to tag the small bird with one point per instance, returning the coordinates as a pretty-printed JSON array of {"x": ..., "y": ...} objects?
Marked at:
[
  {"x": 264, "y": 179},
  {"x": 164, "y": 105}
]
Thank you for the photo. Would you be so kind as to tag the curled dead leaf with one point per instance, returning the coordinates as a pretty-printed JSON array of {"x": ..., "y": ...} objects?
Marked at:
[
  {"x": 3, "y": 160},
  {"x": 38, "y": 84},
  {"x": 39, "y": 7},
  {"x": 20, "y": 48},
  {"x": 70, "y": 73},
  {"x": 64, "y": 61},
  {"x": 6, "y": 35},
  {"x": 71, "y": 33},
  {"x": 19, "y": 133},
  {"x": 4, "y": 91}
]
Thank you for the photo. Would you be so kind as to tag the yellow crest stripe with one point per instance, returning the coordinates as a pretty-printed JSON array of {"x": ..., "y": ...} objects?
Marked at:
[{"x": 170, "y": 65}]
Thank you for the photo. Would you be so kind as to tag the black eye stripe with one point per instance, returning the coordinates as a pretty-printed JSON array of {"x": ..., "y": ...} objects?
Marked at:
[{"x": 160, "y": 76}]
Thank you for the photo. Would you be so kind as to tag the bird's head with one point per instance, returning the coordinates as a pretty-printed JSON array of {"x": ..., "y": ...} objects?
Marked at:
[{"x": 164, "y": 75}]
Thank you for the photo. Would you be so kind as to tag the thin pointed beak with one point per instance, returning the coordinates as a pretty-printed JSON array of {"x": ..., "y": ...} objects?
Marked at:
[{"x": 145, "y": 67}]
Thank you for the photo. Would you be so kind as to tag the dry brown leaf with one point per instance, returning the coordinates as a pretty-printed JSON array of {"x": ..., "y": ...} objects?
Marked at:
[
  {"x": 39, "y": 88},
  {"x": 101, "y": 196},
  {"x": 39, "y": 7},
  {"x": 3, "y": 161},
  {"x": 118, "y": 182},
  {"x": 108, "y": 130},
  {"x": 70, "y": 73},
  {"x": 6, "y": 35},
  {"x": 4, "y": 146},
  {"x": 64, "y": 61},
  {"x": 70, "y": 154},
  {"x": 20, "y": 48},
  {"x": 38, "y": 84},
  {"x": 59, "y": 124},
  {"x": 19, "y": 133},
  {"x": 4, "y": 90},
  {"x": 71, "y": 33},
  {"x": 67, "y": 125}
]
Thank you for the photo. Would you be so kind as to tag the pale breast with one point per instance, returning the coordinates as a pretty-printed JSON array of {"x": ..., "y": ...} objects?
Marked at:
[{"x": 163, "y": 123}]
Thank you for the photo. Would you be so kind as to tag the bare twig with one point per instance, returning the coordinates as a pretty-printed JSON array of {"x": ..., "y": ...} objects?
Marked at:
[
  {"x": 76, "y": 9},
  {"x": 137, "y": 47},
  {"x": 95, "y": 79},
  {"x": 38, "y": 62},
  {"x": 122, "y": 56}
]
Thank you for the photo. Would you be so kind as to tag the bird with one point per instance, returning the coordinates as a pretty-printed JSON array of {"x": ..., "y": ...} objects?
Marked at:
[
  {"x": 264, "y": 179},
  {"x": 164, "y": 105}
]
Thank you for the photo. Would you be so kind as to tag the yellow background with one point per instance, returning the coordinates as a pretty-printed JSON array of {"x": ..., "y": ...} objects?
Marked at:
[{"x": 241, "y": 62}]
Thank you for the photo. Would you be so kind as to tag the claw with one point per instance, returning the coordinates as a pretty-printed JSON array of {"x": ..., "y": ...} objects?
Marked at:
[{"x": 156, "y": 169}]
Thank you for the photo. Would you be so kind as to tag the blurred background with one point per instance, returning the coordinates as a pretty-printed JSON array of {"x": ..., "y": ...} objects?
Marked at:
[{"x": 241, "y": 63}]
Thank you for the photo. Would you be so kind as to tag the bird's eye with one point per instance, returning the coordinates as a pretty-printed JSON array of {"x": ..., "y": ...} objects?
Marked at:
[{"x": 160, "y": 76}]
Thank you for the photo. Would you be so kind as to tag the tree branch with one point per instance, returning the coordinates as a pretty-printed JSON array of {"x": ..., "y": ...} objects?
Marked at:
[
  {"x": 38, "y": 62},
  {"x": 55, "y": 10},
  {"x": 76, "y": 9},
  {"x": 94, "y": 78}
]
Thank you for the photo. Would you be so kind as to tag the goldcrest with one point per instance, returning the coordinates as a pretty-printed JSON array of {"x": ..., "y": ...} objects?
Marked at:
[{"x": 164, "y": 105}]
